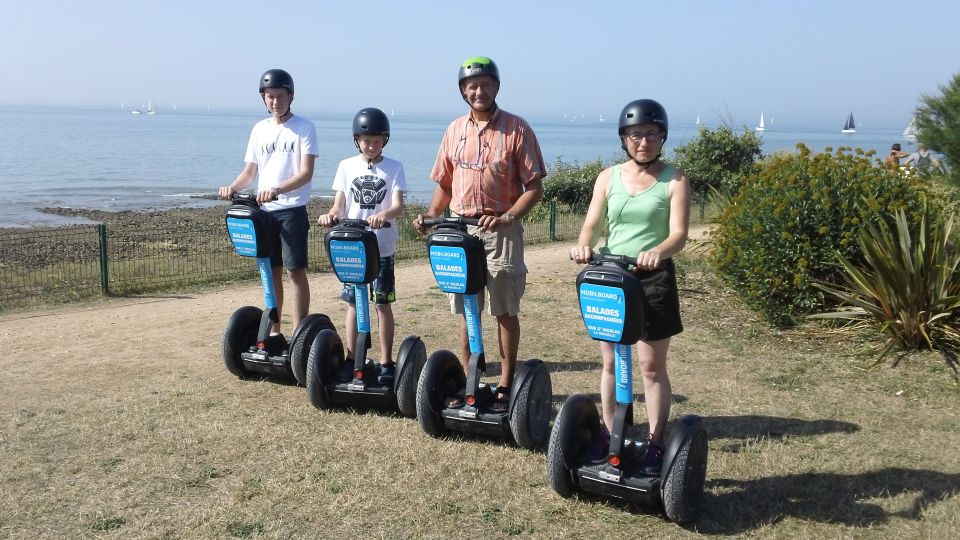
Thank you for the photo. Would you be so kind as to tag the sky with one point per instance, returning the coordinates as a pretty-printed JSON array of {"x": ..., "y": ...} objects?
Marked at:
[{"x": 800, "y": 62}]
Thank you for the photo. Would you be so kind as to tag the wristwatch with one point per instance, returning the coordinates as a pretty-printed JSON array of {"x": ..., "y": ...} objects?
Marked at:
[{"x": 509, "y": 217}]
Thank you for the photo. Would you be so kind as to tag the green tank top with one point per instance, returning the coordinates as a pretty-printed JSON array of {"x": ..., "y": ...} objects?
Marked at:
[{"x": 637, "y": 222}]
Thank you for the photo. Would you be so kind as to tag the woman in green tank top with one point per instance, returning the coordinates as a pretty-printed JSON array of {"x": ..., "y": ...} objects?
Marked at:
[{"x": 646, "y": 205}]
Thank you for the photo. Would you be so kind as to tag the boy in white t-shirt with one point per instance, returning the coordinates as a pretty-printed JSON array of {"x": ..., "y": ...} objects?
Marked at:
[
  {"x": 370, "y": 186},
  {"x": 280, "y": 156}
]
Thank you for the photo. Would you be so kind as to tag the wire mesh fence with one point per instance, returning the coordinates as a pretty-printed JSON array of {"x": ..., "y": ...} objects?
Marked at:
[{"x": 42, "y": 266}]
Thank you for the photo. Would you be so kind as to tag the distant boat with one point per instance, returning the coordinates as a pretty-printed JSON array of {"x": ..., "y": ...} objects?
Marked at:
[
  {"x": 601, "y": 118},
  {"x": 698, "y": 119},
  {"x": 136, "y": 111},
  {"x": 761, "y": 127},
  {"x": 150, "y": 109},
  {"x": 850, "y": 126},
  {"x": 911, "y": 132}
]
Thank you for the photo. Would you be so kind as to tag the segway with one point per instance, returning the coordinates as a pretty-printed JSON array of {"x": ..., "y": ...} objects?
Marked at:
[
  {"x": 333, "y": 380},
  {"x": 611, "y": 305},
  {"x": 459, "y": 265},
  {"x": 248, "y": 347}
]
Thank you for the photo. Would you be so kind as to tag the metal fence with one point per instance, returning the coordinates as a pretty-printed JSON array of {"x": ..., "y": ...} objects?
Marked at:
[{"x": 56, "y": 265}]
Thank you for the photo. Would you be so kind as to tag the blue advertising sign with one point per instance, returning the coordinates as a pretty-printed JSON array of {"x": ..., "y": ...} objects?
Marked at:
[
  {"x": 349, "y": 260},
  {"x": 449, "y": 266},
  {"x": 603, "y": 310},
  {"x": 243, "y": 236}
]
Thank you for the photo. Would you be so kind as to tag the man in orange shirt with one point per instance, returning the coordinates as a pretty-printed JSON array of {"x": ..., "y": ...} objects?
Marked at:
[{"x": 490, "y": 167}]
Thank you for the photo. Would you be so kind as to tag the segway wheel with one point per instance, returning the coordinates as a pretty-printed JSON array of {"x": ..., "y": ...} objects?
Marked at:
[
  {"x": 302, "y": 341},
  {"x": 240, "y": 335},
  {"x": 576, "y": 427},
  {"x": 442, "y": 376},
  {"x": 411, "y": 358},
  {"x": 682, "y": 490},
  {"x": 323, "y": 362},
  {"x": 530, "y": 414}
]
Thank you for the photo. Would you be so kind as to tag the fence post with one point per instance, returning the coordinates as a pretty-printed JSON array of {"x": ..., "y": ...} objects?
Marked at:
[
  {"x": 553, "y": 221},
  {"x": 104, "y": 267}
]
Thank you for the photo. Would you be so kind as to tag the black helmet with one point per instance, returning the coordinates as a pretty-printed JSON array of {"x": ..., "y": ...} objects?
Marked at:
[
  {"x": 476, "y": 66},
  {"x": 644, "y": 111},
  {"x": 371, "y": 121},
  {"x": 276, "y": 78}
]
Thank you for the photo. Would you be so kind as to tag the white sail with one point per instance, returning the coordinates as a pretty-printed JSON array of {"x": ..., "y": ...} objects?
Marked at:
[
  {"x": 911, "y": 132},
  {"x": 761, "y": 127}
]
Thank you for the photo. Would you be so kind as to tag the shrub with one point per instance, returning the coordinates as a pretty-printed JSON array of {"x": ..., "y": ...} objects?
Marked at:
[
  {"x": 778, "y": 233},
  {"x": 938, "y": 123},
  {"x": 908, "y": 286},
  {"x": 718, "y": 159},
  {"x": 571, "y": 184}
]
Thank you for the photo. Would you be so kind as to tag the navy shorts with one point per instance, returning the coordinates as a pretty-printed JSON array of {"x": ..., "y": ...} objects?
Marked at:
[
  {"x": 290, "y": 226},
  {"x": 382, "y": 290},
  {"x": 661, "y": 301}
]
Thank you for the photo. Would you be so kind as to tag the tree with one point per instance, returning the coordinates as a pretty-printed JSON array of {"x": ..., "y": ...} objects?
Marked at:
[
  {"x": 938, "y": 124},
  {"x": 718, "y": 158}
]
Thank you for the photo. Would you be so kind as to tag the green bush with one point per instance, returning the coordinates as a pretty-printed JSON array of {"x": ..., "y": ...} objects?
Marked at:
[
  {"x": 571, "y": 184},
  {"x": 778, "y": 233},
  {"x": 718, "y": 159},
  {"x": 938, "y": 124},
  {"x": 908, "y": 286}
]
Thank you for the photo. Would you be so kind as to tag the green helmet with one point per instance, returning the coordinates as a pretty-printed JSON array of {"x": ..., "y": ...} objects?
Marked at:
[{"x": 476, "y": 66}]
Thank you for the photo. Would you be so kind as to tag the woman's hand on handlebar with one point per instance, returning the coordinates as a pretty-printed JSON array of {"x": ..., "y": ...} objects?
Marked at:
[
  {"x": 648, "y": 260},
  {"x": 581, "y": 254},
  {"x": 226, "y": 192},
  {"x": 267, "y": 195}
]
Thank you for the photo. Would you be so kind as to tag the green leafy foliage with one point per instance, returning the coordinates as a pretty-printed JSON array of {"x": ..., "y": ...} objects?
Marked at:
[
  {"x": 907, "y": 285},
  {"x": 571, "y": 184},
  {"x": 938, "y": 124},
  {"x": 777, "y": 235},
  {"x": 718, "y": 159}
]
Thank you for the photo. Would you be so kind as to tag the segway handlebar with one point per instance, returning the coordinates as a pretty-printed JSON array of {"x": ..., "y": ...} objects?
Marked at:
[
  {"x": 358, "y": 223},
  {"x": 247, "y": 197},
  {"x": 623, "y": 260},
  {"x": 460, "y": 220}
]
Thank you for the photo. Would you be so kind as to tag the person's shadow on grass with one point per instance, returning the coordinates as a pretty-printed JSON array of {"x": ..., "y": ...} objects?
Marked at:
[{"x": 737, "y": 506}]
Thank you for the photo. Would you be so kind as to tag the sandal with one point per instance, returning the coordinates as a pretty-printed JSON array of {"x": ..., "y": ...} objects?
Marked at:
[
  {"x": 457, "y": 400},
  {"x": 502, "y": 403}
]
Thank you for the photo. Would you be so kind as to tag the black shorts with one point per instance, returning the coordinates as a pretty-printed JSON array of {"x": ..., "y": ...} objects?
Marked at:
[
  {"x": 291, "y": 226},
  {"x": 383, "y": 289},
  {"x": 661, "y": 301}
]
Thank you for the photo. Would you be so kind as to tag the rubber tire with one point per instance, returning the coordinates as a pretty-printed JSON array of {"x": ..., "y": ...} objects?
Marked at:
[
  {"x": 576, "y": 426},
  {"x": 406, "y": 384},
  {"x": 532, "y": 408},
  {"x": 240, "y": 335},
  {"x": 323, "y": 363},
  {"x": 682, "y": 490},
  {"x": 442, "y": 376},
  {"x": 303, "y": 341}
]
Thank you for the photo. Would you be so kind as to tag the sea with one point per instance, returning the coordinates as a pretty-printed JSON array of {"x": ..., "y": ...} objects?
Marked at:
[{"x": 112, "y": 160}]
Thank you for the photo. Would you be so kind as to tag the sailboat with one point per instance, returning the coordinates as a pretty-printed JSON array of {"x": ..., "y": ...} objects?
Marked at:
[
  {"x": 761, "y": 127},
  {"x": 911, "y": 132},
  {"x": 850, "y": 126},
  {"x": 150, "y": 109},
  {"x": 698, "y": 119}
]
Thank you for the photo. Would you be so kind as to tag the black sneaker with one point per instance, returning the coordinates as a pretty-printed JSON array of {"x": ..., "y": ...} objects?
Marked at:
[
  {"x": 386, "y": 373},
  {"x": 600, "y": 448},
  {"x": 346, "y": 370},
  {"x": 653, "y": 460},
  {"x": 275, "y": 344}
]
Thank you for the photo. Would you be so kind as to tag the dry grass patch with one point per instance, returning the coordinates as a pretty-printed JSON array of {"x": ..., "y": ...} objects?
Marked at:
[{"x": 119, "y": 421}]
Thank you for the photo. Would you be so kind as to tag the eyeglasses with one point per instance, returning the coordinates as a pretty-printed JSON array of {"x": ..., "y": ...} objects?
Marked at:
[
  {"x": 637, "y": 136},
  {"x": 458, "y": 154}
]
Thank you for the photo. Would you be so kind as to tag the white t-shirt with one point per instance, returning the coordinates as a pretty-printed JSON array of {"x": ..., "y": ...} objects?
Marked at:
[
  {"x": 277, "y": 149},
  {"x": 370, "y": 190}
]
